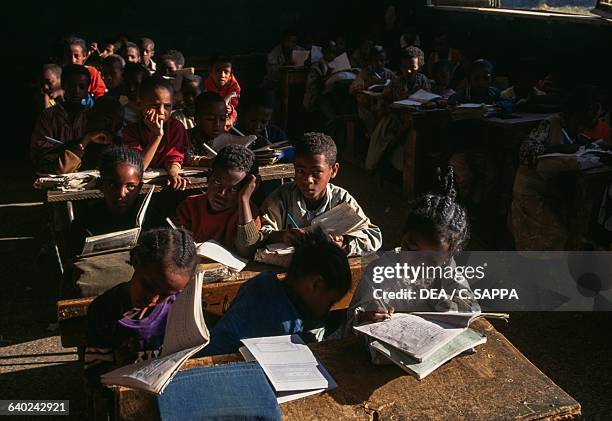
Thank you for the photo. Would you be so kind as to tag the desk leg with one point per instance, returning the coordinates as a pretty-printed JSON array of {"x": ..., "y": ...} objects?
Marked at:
[{"x": 409, "y": 172}]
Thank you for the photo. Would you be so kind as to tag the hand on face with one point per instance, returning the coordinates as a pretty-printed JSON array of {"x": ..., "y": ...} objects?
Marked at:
[
  {"x": 154, "y": 122},
  {"x": 250, "y": 184}
]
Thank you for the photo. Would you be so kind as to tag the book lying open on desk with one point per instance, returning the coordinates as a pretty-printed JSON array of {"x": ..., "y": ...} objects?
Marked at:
[
  {"x": 119, "y": 239},
  {"x": 215, "y": 251},
  {"x": 186, "y": 333}
]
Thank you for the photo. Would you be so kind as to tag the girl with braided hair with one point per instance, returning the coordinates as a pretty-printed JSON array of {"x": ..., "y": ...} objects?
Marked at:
[{"x": 126, "y": 324}]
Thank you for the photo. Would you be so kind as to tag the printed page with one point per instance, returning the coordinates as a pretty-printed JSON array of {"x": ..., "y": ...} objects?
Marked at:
[
  {"x": 225, "y": 139},
  {"x": 339, "y": 220},
  {"x": 112, "y": 241},
  {"x": 185, "y": 327},
  {"x": 423, "y": 96},
  {"x": 215, "y": 251},
  {"x": 414, "y": 335}
]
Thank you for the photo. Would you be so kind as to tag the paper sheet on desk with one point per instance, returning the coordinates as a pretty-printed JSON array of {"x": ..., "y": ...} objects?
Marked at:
[{"x": 215, "y": 251}]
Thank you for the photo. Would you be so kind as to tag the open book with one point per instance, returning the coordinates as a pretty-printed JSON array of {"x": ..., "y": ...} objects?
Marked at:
[
  {"x": 341, "y": 220},
  {"x": 186, "y": 333},
  {"x": 119, "y": 239},
  {"x": 290, "y": 366},
  {"x": 215, "y": 251},
  {"x": 225, "y": 139},
  {"x": 423, "y": 96}
]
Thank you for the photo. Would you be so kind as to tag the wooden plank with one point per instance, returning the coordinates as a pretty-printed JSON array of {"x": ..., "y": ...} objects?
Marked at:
[
  {"x": 267, "y": 172},
  {"x": 496, "y": 382}
]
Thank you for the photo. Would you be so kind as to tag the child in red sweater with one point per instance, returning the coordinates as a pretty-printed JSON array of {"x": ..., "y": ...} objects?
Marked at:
[
  {"x": 75, "y": 52},
  {"x": 225, "y": 213},
  {"x": 223, "y": 81}
]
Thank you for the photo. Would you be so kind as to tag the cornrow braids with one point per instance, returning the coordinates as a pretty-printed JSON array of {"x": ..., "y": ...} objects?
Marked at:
[
  {"x": 316, "y": 143},
  {"x": 172, "y": 248},
  {"x": 439, "y": 216},
  {"x": 235, "y": 157},
  {"x": 119, "y": 155}
]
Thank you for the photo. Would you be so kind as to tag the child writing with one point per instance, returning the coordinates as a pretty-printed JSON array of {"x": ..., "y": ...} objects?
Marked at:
[
  {"x": 312, "y": 194},
  {"x": 256, "y": 111},
  {"x": 210, "y": 117},
  {"x": 160, "y": 139},
  {"x": 191, "y": 87},
  {"x": 222, "y": 81},
  {"x": 75, "y": 52},
  {"x": 112, "y": 74},
  {"x": 126, "y": 324},
  {"x": 318, "y": 277},
  {"x": 225, "y": 213},
  {"x": 51, "y": 85}
]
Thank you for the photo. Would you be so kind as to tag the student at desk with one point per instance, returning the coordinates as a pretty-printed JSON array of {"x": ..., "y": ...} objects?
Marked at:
[
  {"x": 256, "y": 111},
  {"x": 280, "y": 55},
  {"x": 210, "y": 119},
  {"x": 318, "y": 277}
]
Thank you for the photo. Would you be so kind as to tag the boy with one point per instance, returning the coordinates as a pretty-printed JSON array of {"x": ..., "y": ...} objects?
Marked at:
[
  {"x": 131, "y": 53},
  {"x": 222, "y": 81},
  {"x": 51, "y": 85},
  {"x": 318, "y": 277},
  {"x": 210, "y": 115},
  {"x": 112, "y": 73},
  {"x": 147, "y": 51},
  {"x": 255, "y": 115},
  {"x": 281, "y": 55},
  {"x": 225, "y": 213},
  {"x": 170, "y": 62},
  {"x": 63, "y": 122},
  {"x": 410, "y": 80},
  {"x": 75, "y": 52},
  {"x": 134, "y": 75},
  {"x": 160, "y": 139},
  {"x": 479, "y": 88},
  {"x": 190, "y": 89},
  {"x": 310, "y": 195}
]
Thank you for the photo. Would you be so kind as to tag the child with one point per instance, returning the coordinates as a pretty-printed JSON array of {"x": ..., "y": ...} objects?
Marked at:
[
  {"x": 410, "y": 79},
  {"x": 51, "y": 85},
  {"x": 134, "y": 75},
  {"x": 318, "y": 277},
  {"x": 170, "y": 62},
  {"x": 147, "y": 51},
  {"x": 160, "y": 139},
  {"x": 280, "y": 55},
  {"x": 121, "y": 171},
  {"x": 225, "y": 213},
  {"x": 442, "y": 51},
  {"x": 315, "y": 81},
  {"x": 479, "y": 88},
  {"x": 126, "y": 324},
  {"x": 108, "y": 48},
  {"x": 442, "y": 76},
  {"x": 435, "y": 231},
  {"x": 131, "y": 53},
  {"x": 112, "y": 73},
  {"x": 191, "y": 87},
  {"x": 222, "y": 81},
  {"x": 210, "y": 116},
  {"x": 256, "y": 112},
  {"x": 75, "y": 52},
  {"x": 310, "y": 195},
  {"x": 64, "y": 122}
]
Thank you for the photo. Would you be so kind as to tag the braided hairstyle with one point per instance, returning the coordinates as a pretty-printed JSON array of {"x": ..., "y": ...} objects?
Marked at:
[
  {"x": 174, "y": 249},
  {"x": 315, "y": 254},
  {"x": 235, "y": 157},
  {"x": 119, "y": 155},
  {"x": 439, "y": 217}
]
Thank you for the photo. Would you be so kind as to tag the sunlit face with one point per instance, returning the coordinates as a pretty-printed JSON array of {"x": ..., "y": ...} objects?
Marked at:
[
  {"x": 153, "y": 283},
  {"x": 121, "y": 188},
  {"x": 148, "y": 51},
  {"x": 410, "y": 67},
  {"x": 223, "y": 189},
  {"x": 112, "y": 74},
  {"x": 50, "y": 82},
  {"x": 132, "y": 55},
  {"x": 108, "y": 49},
  {"x": 312, "y": 174},
  {"x": 159, "y": 100},
  {"x": 222, "y": 73},
  {"x": 75, "y": 89},
  {"x": 75, "y": 55},
  {"x": 211, "y": 120},
  {"x": 254, "y": 121}
]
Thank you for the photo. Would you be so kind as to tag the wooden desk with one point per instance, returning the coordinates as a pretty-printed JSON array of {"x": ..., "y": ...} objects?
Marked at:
[
  {"x": 289, "y": 75},
  {"x": 268, "y": 172},
  {"x": 216, "y": 298},
  {"x": 497, "y": 382}
]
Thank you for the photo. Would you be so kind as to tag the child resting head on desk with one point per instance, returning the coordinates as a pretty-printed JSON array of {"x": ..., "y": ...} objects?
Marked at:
[
  {"x": 126, "y": 324},
  {"x": 225, "y": 212},
  {"x": 436, "y": 229},
  {"x": 160, "y": 139},
  {"x": 318, "y": 277},
  {"x": 222, "y": 81},
  {"x": 293, "y": 206},
  {"x": 210, "y": 116}
]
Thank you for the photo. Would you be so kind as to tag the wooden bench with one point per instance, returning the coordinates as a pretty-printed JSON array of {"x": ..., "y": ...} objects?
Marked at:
[
  {"x": 216, "y": 298},
  {"x": 496, "y": 382}
]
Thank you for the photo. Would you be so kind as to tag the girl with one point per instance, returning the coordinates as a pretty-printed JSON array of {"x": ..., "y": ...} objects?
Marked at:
[
  {"x": 437, "y": 228},
  {"x": 126, "y": 324},
  {"x": 160, "y": 139},
  {"x": 319, "y": 276}
]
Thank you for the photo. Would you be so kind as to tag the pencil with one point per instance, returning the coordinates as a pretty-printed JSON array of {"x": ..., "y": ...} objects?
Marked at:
[
  {"x": 211, "y": 150},
  {"x": 169, "y": 221},
  {"x": 295, "y": 225},
  {"x": 50, "y": 139}
]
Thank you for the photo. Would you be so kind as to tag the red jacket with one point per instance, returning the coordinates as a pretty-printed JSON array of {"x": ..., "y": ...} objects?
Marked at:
[
  {"x": 231, "y": 86},
  {"x": 170, "y": 150},
  {"x": 96, "y": 87}
]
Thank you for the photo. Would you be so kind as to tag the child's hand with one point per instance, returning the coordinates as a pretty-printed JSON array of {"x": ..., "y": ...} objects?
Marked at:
[
  {"x": 292, "y": 235},
  {"x": 376, "y": 316},
  {"x": 249, "y": 187},
  {"x": 339, "y": 240},
  {"x": 176, "y": 182},
  {"x": 154, "y": 122}
]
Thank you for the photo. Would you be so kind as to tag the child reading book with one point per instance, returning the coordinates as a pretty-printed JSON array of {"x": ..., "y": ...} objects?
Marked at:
[
  {"x": 126, "y": 324},
  {"x": 225, "y": 213},
  {"x": 222, "y": 81},
  {"x": 256, "y": 111},
  {"x": 318, "y": 277},
  {"x": 210, "y": 116},
  {"x": 293, "y": 206}
]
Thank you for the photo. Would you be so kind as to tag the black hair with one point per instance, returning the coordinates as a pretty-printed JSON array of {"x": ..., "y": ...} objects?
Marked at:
[
  {"x": 119, "y": 155},
  {"x": 220, "y": 58},
  {"x": 412, "y": 52},
  {"x": 113, "y": 59},
  {"x": 439, "y": 216},
  {"x": 486, "y": 65},
  {"x": 188, "y": 78},
  {"x": 107, "y": 114},
  {"x": 205, "y": 99},
  {"x": 172, "y": 248},
  {"x": 376, "y": 51},
  {"x": 71, "y": 70},
  {"x": 131, "y": 45},
  {"x": 53, "y": 68},
  {"x": 152, "y": 83},
  {"x": 235, "y": 157},
  {"x": 316, "y": 254},
  {"x": 442, "y": 66},
  {"x": 175, "y": 55},
  {"x": 135, "y": 69},
  {"x": 315, "y": 143},
  {"x": 289, "y": 32},
  {"x": 72, "y": 40},
  {"x": 255, "y": 98},
  {"x": 144, "y": 41}
]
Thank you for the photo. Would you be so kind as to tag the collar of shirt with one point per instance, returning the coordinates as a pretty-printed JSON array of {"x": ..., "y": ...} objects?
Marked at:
[{"x": 307, "y": 214}]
